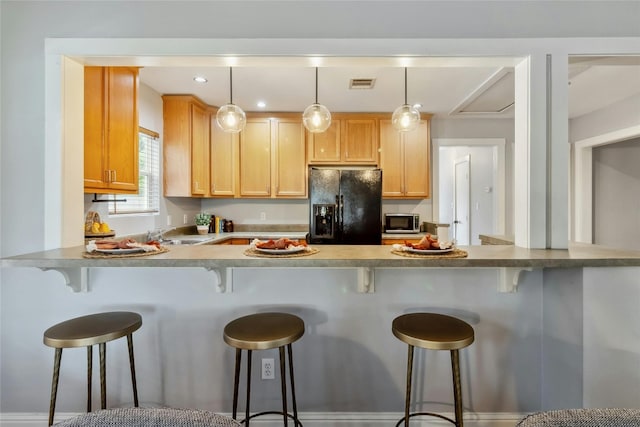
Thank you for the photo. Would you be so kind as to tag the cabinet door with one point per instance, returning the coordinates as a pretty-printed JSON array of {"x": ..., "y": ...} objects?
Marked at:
[
  {"x": 199, "y": 151},
  {"x": 224, "y": 157},
  {"x": 255, "y": 158},
  {"x": 95, "y": 167},
  {"x": 122, "y": 131},
  {"x": 176, "y": 146},
  {"x": 359, "y": 141},
  {"x": 391, "y": 160},
  {"x": 325, "y": 147},
  {"x": 289, "y": 149},
  {"x": 417, "y": 162}
]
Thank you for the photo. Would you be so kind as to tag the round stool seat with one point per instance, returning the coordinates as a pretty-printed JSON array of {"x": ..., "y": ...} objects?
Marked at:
[
  {"x": 433, "y": 331},
  {"x": 263, "y": 331},
  {"x": 92, "y": 329}
]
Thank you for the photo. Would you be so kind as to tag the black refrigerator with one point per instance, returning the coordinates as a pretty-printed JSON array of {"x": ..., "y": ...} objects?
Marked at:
[{"x": 345, "y": 206}]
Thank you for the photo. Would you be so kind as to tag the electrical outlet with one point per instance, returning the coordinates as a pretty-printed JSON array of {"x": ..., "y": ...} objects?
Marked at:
[
  {"x": 267, "y": 369},
  {"x": 263, "y": 216},
  {"x": 185, "y": 219},
  {"x": 168, "y": 219}
]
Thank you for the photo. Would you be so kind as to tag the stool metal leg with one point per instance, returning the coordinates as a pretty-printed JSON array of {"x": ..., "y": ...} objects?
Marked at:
[
  {"x": 283, "y": 385},
  {"x": 89, "y": 375},
  {"x": 408, "y": 392},
  {"x": 132, "y": 364},
  {"x": 457, "y": 389},
  {"x": 236, "y": 383},
  {"x": 246, "y": 419},
  {"x": 103, "y": 375},
  {"x": 293, "y": 387},
  {"x": 54, "y": 383}
]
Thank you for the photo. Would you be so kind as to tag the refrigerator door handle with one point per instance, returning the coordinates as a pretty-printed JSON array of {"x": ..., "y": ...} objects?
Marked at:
[
  {"x": 338, "y": 217},
  {"x": 341, "y": 212}
]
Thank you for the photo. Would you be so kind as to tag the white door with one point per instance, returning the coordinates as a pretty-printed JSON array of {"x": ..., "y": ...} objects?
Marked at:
[{"x": 461, "y": 226}]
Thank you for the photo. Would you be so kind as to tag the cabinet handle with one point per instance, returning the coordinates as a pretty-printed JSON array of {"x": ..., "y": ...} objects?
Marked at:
[
  {"x": 114, "y": 176},
  {"x": 213, "y": 188},
  {"x": 107, "y": 175}
]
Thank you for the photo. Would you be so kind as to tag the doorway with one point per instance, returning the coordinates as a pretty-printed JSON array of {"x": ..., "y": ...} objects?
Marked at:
[
  {"x": 461, "y": 201},
  {"x": 487, "y": 199}
]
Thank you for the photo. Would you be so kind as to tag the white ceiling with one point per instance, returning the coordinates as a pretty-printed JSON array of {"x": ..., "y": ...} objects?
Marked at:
[{"x": 443, "y": 86}]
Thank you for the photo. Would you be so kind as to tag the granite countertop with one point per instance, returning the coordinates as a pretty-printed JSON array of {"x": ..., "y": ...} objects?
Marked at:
[{"x": 222, "y": 256}]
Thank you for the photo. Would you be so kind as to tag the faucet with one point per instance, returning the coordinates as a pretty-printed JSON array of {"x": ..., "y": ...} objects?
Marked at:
[{"x": 158, "y": 234}]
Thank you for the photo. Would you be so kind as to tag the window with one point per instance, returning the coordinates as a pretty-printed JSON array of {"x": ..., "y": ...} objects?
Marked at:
[{"x": 148, "y": 198}]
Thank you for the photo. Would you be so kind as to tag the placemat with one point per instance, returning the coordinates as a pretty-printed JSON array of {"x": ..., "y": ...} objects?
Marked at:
[
  {"x": 162, "y": 250},
  {"x": 254, "y": 253},
  {"x": 457, "y": 253}
]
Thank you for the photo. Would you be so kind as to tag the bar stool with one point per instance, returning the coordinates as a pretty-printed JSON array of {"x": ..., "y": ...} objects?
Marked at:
[
  {"x": 263, "y": 331},
  {"x": 150, "y": 417},
  {"x": 434, "y": 332},
  {"x": 86, "y": 331}
]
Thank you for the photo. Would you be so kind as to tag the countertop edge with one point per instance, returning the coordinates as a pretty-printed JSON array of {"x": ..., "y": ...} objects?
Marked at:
[{"x": 339, "y": 256}]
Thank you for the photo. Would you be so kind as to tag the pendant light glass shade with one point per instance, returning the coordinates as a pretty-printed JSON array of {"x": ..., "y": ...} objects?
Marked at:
[
  {"x": 405, "y": 118},
  {"x": 316, "y": 117},
  {"x": 230, "y": 117}
]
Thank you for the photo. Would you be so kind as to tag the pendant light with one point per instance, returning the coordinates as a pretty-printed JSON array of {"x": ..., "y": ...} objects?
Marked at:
[
  {"x": 230, "y": 117},
  {"x": 405, "y": 118},
  {"x": 316, "y": 117}
]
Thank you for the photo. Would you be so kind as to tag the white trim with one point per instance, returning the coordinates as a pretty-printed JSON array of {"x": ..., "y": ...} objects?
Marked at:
[
  {"x": 582, "y": 174},
  {"x": 529, "y": 227},
  {"x": 311, "y": 419}
]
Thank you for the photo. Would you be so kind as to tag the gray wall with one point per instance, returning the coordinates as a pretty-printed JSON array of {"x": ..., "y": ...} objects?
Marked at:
[{"x": 616, "y": 195}]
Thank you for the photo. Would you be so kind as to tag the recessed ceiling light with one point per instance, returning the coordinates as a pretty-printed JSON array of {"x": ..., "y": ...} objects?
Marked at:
[
  {"x": 261, "y": 104},
  {"x": 200, "y": 79}
]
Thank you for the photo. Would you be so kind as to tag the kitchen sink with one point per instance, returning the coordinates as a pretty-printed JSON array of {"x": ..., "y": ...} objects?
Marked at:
[{"x": 185, "y": 241}]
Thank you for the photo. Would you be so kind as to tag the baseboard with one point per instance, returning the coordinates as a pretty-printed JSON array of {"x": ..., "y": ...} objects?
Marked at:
[{"x": 311, "y": 419}]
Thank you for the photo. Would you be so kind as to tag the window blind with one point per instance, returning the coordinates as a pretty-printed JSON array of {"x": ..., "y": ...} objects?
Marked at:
[{"x": 148, "y": 198}]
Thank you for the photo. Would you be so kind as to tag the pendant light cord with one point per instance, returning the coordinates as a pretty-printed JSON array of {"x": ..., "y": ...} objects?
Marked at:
[
  {"x": 231, "y": 85},
  {"x": 316, "y": 85},
  {"x": 405, "y": 85}
]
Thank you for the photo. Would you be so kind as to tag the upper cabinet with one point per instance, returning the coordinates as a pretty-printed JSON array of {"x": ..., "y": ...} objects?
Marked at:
[
  {"x": 273, "y": 157},
  {"x": 111, "y": 130},
  {"x": 186, "y": 147},
  {"x": 351, "y": 139},
  {"x": 224, "y": 161},
  {"x": 405, "y": 161}
]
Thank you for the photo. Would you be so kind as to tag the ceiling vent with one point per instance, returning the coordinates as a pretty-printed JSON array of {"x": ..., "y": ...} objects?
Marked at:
[
  {"x": 362, "y": 83},
  {"x": 494, "y": 96}
]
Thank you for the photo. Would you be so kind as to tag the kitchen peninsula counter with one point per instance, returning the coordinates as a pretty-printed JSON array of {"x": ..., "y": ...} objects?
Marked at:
[{"x": 338, "y": 256}]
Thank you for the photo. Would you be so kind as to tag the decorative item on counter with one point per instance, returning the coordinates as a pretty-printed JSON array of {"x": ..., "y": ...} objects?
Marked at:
[
  {"x": 212, "y": 224},
  {"x": 94, "y": 227},
  {"x": 202, "y": 222},
  {"x": 228, "y": 226},
  {"x": 219, "y": 224}
]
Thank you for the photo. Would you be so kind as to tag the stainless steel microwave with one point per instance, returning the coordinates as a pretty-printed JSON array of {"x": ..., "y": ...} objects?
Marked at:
[{"x": 401, "y": 223}]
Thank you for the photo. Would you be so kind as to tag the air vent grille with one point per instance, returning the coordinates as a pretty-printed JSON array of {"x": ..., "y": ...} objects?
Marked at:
[{"x": 362, "y": 83}]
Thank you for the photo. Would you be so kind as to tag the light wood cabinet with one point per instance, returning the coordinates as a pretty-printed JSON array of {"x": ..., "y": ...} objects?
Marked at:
[
  {"x": 351, "y": 139},
  {"x": 405, "y": 161},
  {"x": 224, "y": 161},
  {"x": 273, "y": 158},
  {"x": 111, "y": 130},
  {"x": 359, "y": 142},
  {"x": 255, "y": 158},
  {"x": 399, "y": 241},
  {"x": 289, "y": 158},
  {"x": 186, "y": 146}
]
